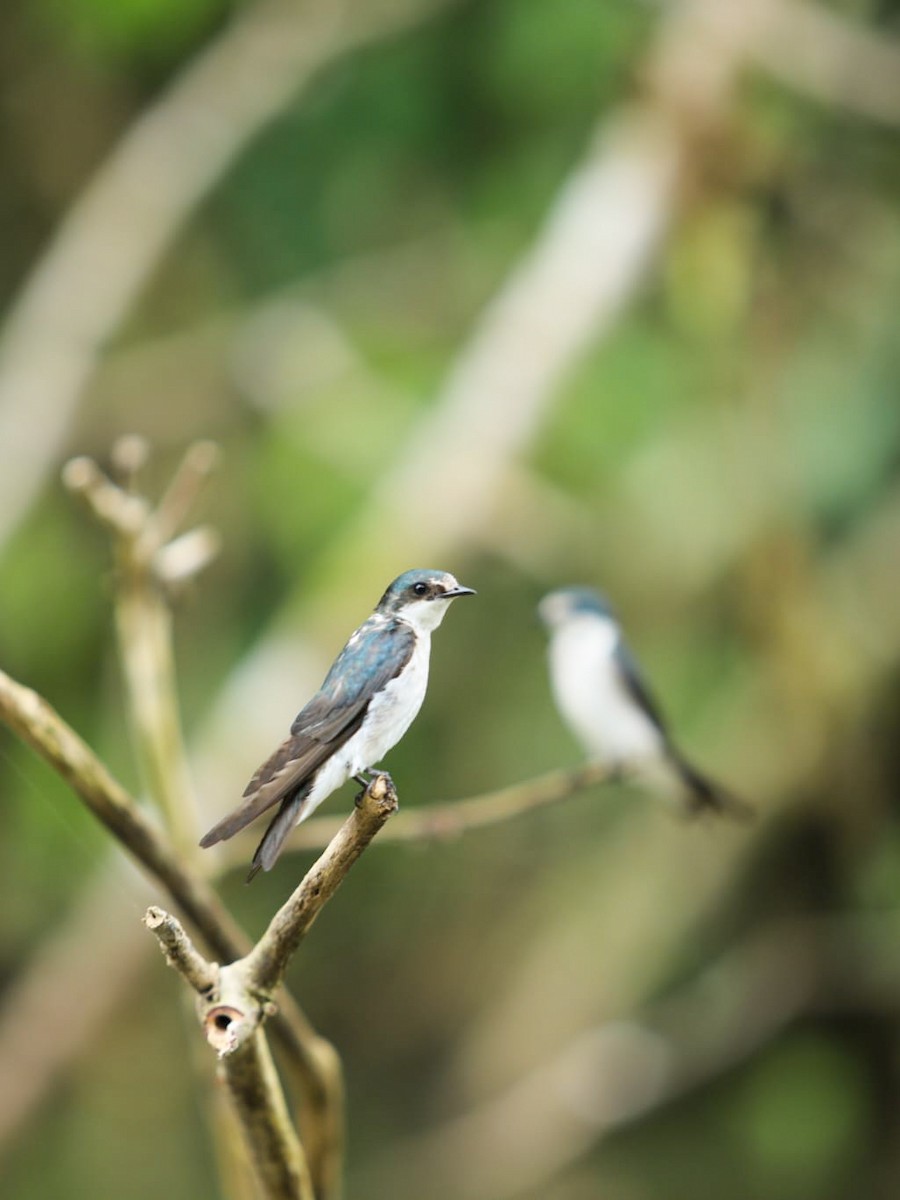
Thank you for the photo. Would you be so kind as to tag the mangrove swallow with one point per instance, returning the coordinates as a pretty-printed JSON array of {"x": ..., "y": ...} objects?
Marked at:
[
  {"x": 602, "y": 697},
  {"x": 367, "y": 702}
]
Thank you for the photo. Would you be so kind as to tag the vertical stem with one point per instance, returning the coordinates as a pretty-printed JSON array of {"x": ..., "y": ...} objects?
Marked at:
[
  {"x": 321, "y": 1121},
  {"x": 255, "y": 1090},
  {"x": 144, "y": 624}
]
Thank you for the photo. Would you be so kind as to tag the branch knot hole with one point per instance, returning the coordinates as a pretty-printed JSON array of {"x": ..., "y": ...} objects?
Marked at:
[{"x": 222, "y": 1025}]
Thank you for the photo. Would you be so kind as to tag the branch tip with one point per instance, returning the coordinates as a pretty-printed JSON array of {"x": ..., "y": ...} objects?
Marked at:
[
  {"x": 381, "y": 794},
  {"x": 81, "y": 473},
  {"x": 130, "y": 454}
]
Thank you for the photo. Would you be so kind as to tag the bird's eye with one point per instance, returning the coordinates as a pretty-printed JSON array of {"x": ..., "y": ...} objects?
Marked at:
[{"x": 420, "y": 588}]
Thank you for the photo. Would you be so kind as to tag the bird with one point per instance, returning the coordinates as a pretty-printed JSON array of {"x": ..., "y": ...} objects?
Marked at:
[
  {"x": 368, "y": 700},
  {"x": 602, "y": 696}
]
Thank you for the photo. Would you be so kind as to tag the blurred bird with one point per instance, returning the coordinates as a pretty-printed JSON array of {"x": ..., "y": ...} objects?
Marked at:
[
  {"x": 369, "y": 699},
  {"x": 604, "y": 700}
]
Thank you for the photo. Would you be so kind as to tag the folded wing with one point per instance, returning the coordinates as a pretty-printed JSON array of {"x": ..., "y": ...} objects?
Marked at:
[{"x": 377, "y": 652}]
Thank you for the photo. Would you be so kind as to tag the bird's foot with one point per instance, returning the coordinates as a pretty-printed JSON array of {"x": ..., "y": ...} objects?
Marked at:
[{"x": 374, "y": 777}]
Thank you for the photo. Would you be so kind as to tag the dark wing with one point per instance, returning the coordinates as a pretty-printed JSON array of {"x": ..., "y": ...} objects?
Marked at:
[
  {"x": 375, "y": 654},
  {"x": 634, "y": 684},
  {"x": 704, "y": 793}
]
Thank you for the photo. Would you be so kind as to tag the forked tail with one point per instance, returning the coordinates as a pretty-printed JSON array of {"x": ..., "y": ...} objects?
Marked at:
[{"x": 279, "y": 827}]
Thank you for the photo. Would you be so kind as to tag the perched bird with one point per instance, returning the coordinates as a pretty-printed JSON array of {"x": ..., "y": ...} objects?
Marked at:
[
  {"x": 603, "y": 698},
  {"x": 369, "y": 699}
]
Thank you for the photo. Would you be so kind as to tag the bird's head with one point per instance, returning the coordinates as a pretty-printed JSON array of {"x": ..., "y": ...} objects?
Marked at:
[
  {"x": 421, "y": 597},
  {"x": 568, "y": 604}
]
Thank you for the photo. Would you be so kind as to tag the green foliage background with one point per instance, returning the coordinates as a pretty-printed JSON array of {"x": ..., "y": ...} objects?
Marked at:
[{"x": 723, "y": 464}]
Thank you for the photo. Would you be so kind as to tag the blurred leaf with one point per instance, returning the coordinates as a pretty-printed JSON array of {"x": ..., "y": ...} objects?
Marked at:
[
  {"x": 803, "y": 1111},
  {"x": 135, "y": 30}
]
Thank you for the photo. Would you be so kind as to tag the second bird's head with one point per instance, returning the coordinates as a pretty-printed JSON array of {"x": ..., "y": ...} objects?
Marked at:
[
  {"x": 565, "y": 605},
  {"x": 421, "y": 597}
]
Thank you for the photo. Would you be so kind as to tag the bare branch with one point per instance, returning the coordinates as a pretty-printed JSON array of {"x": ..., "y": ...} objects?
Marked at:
[
  {"x": 145, "y": 557},
  {"x": 38, "y": 724},
  {"x": 234, "y": 1000},
  {"x": 453, "y": 818},
  {"x": 268, "y": 960},
  {"x": 179, "y": 950},
  {"x": 253, "y": 1085},
  {"x": 814, "y": 50},
  {"x": 319, "y": 1072},
  {"x": 144, "y": 623},
  {"x": 231, "y": 1019},
  {"x": 182, "y": 493}
]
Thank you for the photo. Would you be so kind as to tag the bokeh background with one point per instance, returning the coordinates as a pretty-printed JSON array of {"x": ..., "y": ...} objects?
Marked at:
[{"x": 538, "y": 293}]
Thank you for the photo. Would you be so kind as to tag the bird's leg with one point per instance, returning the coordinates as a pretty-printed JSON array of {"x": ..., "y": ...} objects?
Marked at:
[
  {"x": 367, "y": 778},
  {"x": 364, "y": 779}
]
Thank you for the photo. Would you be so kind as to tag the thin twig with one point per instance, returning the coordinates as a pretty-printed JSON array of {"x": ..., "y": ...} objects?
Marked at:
[
  {"x": 144, "y": 617},
  {"x": 179, "y": 950},
  {"x": 453, "y": 818},
  {"x": 268, "y": 960}
]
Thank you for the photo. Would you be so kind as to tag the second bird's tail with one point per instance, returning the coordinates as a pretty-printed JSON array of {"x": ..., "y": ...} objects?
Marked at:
[{"x": 705, "y": 795}]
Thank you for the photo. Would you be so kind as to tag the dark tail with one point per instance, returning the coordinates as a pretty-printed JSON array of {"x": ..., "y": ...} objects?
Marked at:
[
  {"x": 705, "y": 795},
  {"x": 248, "y": 810},
  {"x": 273, "y": 839}
]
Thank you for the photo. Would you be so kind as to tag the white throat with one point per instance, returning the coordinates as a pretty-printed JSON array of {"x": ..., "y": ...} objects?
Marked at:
[{"x": 424, "y": 615}]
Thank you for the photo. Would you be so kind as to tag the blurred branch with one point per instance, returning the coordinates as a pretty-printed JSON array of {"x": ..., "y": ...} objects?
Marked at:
[
  {"x": 450, "y": 819},
  {"x": 113, "y": 237},
  {"x": 32, "y": 718},
  {"x": 814, "y": 50},
  {"x": 148, "y": 565},
  {"x": 625, "y": 1070}
]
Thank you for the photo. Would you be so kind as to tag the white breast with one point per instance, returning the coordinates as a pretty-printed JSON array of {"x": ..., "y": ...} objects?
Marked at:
[
  {"x": 394, "y": 709},
  {"x": 590, "y": 695},
  {"x": 389, "y": 716}
]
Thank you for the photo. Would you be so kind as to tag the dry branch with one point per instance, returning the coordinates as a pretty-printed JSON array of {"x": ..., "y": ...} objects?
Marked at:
[
  {"x": 268, "y": 960},
  {"x": 234, "y": 1000},
  {"x": 317, "y": 1065},
  {"x": 38, "y": 724},
  {"x": 453, "y": 818},
  {"x": 148, "y": 564}
]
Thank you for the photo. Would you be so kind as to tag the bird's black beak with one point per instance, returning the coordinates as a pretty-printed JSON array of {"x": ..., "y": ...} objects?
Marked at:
[{"x": 457, "y": 591}]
